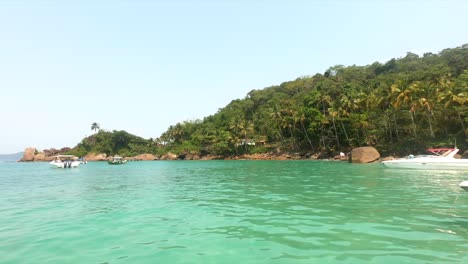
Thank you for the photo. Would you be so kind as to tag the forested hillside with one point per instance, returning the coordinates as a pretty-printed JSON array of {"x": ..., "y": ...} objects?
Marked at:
[
  {"x": 402, "y": 106},
  {"x": 114, "y": 143},
  {"x": 405, "y": 104}
]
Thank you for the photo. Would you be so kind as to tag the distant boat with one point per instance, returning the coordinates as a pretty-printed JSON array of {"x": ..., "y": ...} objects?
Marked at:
[
  {"x": 65, "y": 161},
  {"x": 441, "y": 159},
  {"x": 116, "y": 160}
]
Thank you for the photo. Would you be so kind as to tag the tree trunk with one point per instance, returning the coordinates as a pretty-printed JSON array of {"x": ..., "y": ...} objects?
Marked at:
[
  {"x": 280, "y": 133},
  {"x": 430, "y": 125},
  {"x": 322, "y": 137},
  {"x": 291, "y": 135},
  {"x": 396, "y": 126},
  {"x": 336, "y": 133},
  {"x": 344, "y": 131},
  {"x": 414, "y": 125},
  {"x": 307, "y": 136},
  {"x": 462, "y": 124}
]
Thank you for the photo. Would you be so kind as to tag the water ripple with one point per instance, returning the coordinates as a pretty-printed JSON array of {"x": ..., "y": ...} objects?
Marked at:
[{"x": 231, "y": 212}]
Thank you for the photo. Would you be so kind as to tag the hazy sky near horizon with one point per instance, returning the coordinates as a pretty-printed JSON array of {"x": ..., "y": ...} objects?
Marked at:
[{"x": 142, "y": 66}]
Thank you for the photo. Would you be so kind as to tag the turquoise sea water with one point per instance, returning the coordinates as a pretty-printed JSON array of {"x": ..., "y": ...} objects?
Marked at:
[{"x": 231, "y": 212}]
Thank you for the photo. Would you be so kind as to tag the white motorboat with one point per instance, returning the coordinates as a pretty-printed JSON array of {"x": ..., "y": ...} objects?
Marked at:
[
  {"x": 65, "y": 161},
  {"x": 441, "y": 159},
  {"x": 464, "y": 185}
]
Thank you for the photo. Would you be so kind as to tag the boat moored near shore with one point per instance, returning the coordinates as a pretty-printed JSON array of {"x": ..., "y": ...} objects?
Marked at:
[
  {"x": 464, "y": 185},
  {"x": 440, "y": 159},
  {"x": 116, "y": 160},
  {"x": 65, "y": 161}
]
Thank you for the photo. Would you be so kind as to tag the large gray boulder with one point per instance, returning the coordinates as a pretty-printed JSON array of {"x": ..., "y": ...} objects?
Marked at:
[{"x": 364, "y": 155}]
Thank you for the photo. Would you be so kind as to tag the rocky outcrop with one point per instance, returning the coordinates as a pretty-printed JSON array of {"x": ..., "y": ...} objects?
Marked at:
[
  {"x": 210, "y": 157},
  {"x": 32, "y": 154},
  {"x": 28, "y": 155},
  {"x": 388, "y": 158},
  {"x": 358, "y": 155},
  {"x": 145, "y": 156},
  {"x": 315, "y": 156},
  {"x": 341, "y": 157},
  {"x": 191, "y": 156},
  {"x": 364, "y": 155},
  {"x": 465, "y": 155},
  {"x": 169, "y": 156},
  {"x": 96, "y": 157},
  {"x": 40, "y": 157},
  {"x": 51, "y": 152}
]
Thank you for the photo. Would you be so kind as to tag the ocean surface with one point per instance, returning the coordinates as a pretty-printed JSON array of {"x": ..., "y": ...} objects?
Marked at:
[{"x": 231, "y": 212}]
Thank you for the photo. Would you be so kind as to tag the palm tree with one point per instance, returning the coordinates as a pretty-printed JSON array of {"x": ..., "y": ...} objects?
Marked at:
[
  {"x": 406, "y": 96},
  {"x": 333, "y": 113},
  {"x": 454, "y": 98},
  {"x": 241, "y": 128},
  {"x": 95, "y": 126},
  {"x": 345, "y": 107},
  {"x": 275, "y": 115},
  {"x": 300, "y": 116}
]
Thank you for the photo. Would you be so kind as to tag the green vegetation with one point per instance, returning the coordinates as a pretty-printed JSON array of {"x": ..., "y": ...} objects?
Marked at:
[
  {"x": 114, "y": 143},
  {"x": 402, "y": 106},
  {"x": 95, "y": 126}
]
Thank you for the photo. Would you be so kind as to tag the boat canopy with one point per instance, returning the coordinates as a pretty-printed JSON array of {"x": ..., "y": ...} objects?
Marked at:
[
  {"x": 65, "y": 157},
  {"x": 441, "y": 151}
]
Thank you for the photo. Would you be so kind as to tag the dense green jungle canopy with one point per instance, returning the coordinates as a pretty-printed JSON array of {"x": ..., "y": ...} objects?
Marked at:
[
  {"x": 402, "y": 106},
  {"x": 114, "y": 143}
]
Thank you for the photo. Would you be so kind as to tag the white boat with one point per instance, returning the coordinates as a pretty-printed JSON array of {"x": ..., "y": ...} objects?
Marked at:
[
  {"x": 116, "y": 160},
  {"x": 65, "y": 161},
  {"x": 441, "y": 159},
  {"x": 464, "y": 185}
]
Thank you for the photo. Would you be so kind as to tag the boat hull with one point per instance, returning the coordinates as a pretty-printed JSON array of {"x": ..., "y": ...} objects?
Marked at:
[
  {"x": 464, "y": 185},
  {"x": 442, "y": 164},
  {"x": 120, "y": 162},
  {"x": 62, "y": 164},
  {"x": 116, "y": 163}
]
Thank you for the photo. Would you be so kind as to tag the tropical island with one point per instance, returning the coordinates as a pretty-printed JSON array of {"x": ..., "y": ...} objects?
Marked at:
[{"x": 402, "y": 106}]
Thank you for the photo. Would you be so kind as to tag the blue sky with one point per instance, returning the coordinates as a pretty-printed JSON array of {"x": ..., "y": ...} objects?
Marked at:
[{"x": 142, "y": 66}]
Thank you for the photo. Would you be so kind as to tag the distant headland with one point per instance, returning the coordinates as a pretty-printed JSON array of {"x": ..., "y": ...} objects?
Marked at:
[{"x": 11, "y": 157}]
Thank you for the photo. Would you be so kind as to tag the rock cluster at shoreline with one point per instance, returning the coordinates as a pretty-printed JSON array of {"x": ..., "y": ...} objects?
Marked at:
[
  {"x": 32, "y": 154},
  {"x": 358, "y": 155}
]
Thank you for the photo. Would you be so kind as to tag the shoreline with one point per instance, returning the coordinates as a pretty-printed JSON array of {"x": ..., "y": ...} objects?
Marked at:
[{"x": 357, "y": 155}]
